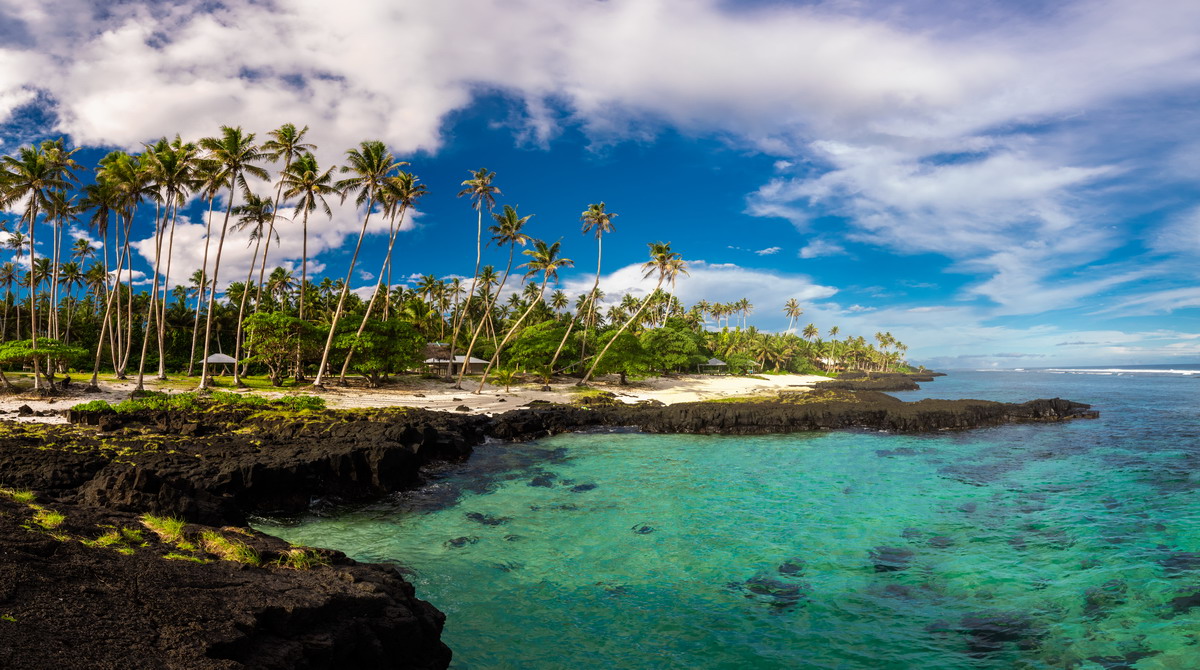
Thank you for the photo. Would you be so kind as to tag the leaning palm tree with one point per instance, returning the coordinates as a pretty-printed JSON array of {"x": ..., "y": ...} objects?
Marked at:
[
  {"x": 305, "y": 181},
  {"x": 256, "y": 215},
  {"x": 595, "y": 218},
  {"x": 286, "y": 144},
  {"x": 30, "y": 176},
  {"x": 669, "y": 265},
  {"x": 544, "y": 259},
  {"x": 399, "y": 194},
  {"x": 479, "y": 188},
  {"x": 236, "y": 155},
  {"x": 371, "y": 164},
  {"x": 505, "y": 232}
]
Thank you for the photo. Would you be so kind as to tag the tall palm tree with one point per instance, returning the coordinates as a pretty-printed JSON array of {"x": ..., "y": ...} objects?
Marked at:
[
  {"x": 8, "y": 278},
  {"x": 544, "y": 259},
  {"x": 598, "y": 220},
  {"x": 30, "y": 176},
  {"x": 305, "y": 181},
  {"x": 257, "y": 215},
  {"x": 399, "y": 194},
  {"x": 286, "y": 143},
  {"x": 236, "y": 154},
  {"x": 483, "y": 194},
  {"x": 211, "y": 179},
  {"x": 792, "y": 310},
  {"x": 505, "y": 232},
  {"x": 669, "y": 265},
  {"x": 370, "y": 164},
  {"x": 101, "y": 198}
]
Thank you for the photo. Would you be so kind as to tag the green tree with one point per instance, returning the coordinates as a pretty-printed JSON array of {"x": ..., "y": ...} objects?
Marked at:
[
  {"x": 274, "y": 338},
  {"x": 674, "y": 346},
  {"x": 371, "y": 164},
  {"x": 382, "y": 347},
  {"x": 628, "y": 357},
  {"x": 236, "y": 154}
]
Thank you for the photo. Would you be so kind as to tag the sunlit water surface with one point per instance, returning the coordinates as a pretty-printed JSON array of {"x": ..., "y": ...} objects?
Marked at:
[{"x": 1074, "y": 545}]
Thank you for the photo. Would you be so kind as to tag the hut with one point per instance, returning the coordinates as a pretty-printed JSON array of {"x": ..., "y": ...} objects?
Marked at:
[
  {"x": 442, "y": 365},
  {"x": 714, "y": 366},
  {"x": 222, "y": 360}
]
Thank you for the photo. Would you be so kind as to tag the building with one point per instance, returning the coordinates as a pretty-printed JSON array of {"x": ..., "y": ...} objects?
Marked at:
[{"x": 439, "y": 365}]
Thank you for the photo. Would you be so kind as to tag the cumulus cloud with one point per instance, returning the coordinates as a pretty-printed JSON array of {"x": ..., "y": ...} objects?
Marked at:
[
  {"x": 818, "y": 248},
  {"x": 769, "y": 251}
]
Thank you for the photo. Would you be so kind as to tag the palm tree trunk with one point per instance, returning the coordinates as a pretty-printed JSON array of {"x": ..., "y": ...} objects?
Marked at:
[
  {"x": 458, "y": 320},
  {"x": 487, "y": 312},
  {"x": 151, "y": 310},
  {"x": 33, "y": 292},
  {"x": 204, "y": 283},
  {"x": 367, "y": 314},
  {"x": 301, "y": 296},
  {"x": 509, "y": 334},
  {"x": 337, "y": 315},
  {"x": 162, "y": 317},
  {"x": 625, "y": 325},
  {"x": 216, "y": 272},
  {"x": 237, "y": 338},
  {"x": 105, "y": 324}
]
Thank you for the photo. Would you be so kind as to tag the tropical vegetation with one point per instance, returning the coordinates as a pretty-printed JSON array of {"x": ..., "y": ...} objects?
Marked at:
[{"x": 72, "y": 306}]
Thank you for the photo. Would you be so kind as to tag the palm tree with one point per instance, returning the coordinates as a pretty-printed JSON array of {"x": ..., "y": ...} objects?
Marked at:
[
  {"x": 399, "y": 194},
  {"x": 30, "y": 176},
  {"x": 71, "y": 275},
  {"x": 305, "y": 180},
  {"x": 257, "y": 215},
  {"x": 287, "y": 144},
  {"x": 236, "y": 154},
  {"x": 811, "y": 332},
  {"x": 792, "y": 310},
  {"x": 669, "y": 265},
  {"x": 544, "y": 259},
  {"x": 8, "y": 277},
  {"x": 371, "y": 164},
  {"x": 505, "y": 232},
  {"x": 211, "y": 178},
  {"x": 595, "y": 218},
  {"x": 479, "y": 188}
]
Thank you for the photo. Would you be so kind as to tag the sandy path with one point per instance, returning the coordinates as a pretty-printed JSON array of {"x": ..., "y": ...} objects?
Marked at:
[{"x": 437, "y": 394}]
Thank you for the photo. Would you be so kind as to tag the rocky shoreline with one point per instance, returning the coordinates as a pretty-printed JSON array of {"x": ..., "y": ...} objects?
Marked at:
[{"x": 181, "y": 601}]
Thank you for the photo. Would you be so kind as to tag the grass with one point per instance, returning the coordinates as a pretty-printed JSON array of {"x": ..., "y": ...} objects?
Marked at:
[
  {"x": 192, "y": 402},
  {"x": 121, "y": 541},
  {"x": 176, "y": 556},
  {"x": 8, "y": 617},
  {"x": 227, "y": 549},
  {"x": 168, "y": 529},
  {"x": 301, "y": 559},
  {"x": 17, "y": 495},
  {"x": 48, "y": 519}
]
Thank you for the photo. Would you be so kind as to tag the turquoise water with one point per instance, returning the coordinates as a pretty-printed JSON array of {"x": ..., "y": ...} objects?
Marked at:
[{"x": 1033, "y": 546}]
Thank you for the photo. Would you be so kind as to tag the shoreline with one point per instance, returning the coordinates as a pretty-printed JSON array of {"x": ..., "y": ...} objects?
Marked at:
[{"x": 437, "y": 394}]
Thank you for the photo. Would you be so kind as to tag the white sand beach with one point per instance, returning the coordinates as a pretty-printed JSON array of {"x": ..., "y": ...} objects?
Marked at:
[{"x": 440, "y": 395}]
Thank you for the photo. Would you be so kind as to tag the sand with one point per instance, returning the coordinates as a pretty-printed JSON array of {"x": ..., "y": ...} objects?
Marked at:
[{"x": 440, "y": 395}]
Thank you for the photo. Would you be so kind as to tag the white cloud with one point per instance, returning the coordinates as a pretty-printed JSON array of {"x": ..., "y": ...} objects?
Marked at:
[
  {"x": 818, "y": 248},
  {"x": 769, "y": 251}
]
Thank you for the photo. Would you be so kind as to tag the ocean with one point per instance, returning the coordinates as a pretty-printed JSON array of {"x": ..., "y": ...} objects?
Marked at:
[{"x": 1073, "y": 545}]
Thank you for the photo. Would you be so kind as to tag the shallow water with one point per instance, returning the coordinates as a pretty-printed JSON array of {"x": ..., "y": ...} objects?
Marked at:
[{"x": 1071, "y": 545}]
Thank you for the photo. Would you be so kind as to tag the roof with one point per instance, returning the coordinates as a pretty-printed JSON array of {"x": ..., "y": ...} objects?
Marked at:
[
  {"x": 714, "y": 361},
  {"x": 220, "y": 358},
  {"x": 457, "y": 359}
]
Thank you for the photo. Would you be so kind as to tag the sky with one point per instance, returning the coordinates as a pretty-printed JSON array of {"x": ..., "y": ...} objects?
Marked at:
[{"x": 996, "y": 183}]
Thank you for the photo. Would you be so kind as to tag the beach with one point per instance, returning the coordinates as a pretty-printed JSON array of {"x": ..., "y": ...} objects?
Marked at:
[{"x": 438, "y": 394}]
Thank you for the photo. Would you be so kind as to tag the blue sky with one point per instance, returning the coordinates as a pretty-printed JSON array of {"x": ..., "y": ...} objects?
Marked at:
[{"x": 1006, "y": 184}]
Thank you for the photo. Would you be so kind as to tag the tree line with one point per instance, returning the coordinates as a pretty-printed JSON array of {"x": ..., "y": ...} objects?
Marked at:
[{"x": 79, "y": 307}]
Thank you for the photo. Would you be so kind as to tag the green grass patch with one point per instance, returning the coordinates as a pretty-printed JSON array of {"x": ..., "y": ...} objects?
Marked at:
[
  {"x": 8, "y": 617},
  {"x": 217, "y": 400},
  {"x": 17, "y": 495},
  {"x": 227, "y": 549},
  {"x": 176, "y": 556},
  {"x": 168, "y": 529},
  {"x": 48, "y": 519},
  {"x": 301, "y": 559}
]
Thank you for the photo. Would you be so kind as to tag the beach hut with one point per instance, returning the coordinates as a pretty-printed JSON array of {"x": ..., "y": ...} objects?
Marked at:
[
  {"x": 714, "y": 366},
  {"x": 222, "y": 359},
  {"x": 439, "y": 365}
]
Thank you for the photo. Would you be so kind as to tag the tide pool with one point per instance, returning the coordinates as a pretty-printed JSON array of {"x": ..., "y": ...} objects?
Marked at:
[{"x": 1070, "y": 545}]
